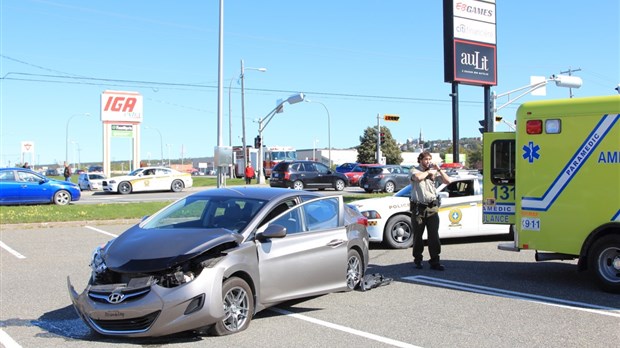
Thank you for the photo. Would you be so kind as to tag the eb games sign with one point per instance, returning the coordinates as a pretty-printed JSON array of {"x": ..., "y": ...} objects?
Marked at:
[{"x": 121, "y": 106}]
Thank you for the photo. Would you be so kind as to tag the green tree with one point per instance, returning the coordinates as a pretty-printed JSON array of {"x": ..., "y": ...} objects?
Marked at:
[{"x": 367, "y": 149}]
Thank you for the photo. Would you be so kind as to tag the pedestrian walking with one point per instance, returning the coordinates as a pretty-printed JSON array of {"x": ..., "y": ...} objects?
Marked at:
[
  {"x": 67, "y": 172},
  {"x": 249, "y": 174}
]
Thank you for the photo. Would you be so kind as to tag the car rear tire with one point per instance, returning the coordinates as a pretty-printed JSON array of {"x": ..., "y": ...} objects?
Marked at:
[
  {"x": 339, "y": 185},
  {"x": 62, "y": 197},
  {"x": 398, "y": 232},
  {"x": 355, "y": 270},
  {"x": 177, "y": 186},
  {"x": 604, "y": 263},
  {"x": 238, "y": 302},
  {"x": 124, "y": 188},
  {"x": 389, "y": 187},
  {"x": 298, "y": 185}
]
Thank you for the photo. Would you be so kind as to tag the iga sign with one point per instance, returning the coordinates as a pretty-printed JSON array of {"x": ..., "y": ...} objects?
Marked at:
[{"x": 121, "y": 106}]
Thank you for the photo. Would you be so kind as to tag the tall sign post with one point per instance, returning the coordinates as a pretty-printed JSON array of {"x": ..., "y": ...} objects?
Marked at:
[
  {"x": 470, "y": 53},
  {"x": 121, "y": 115}
]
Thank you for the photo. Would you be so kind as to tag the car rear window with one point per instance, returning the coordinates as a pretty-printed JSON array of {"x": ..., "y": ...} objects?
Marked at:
[
  {"x": 374, "y": 170},
  {"x": 281, "y": 167}
]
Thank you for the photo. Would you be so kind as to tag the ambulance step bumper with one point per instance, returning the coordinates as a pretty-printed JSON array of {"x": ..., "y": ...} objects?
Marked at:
[{"x": 508, "y": 246}]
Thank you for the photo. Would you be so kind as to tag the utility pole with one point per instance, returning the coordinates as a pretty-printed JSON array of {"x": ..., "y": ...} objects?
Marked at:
[{"x": 569, "y": 72}]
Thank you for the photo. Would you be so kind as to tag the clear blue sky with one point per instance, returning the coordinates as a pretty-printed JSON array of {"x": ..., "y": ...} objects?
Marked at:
[{"x": 359, "y": 58}]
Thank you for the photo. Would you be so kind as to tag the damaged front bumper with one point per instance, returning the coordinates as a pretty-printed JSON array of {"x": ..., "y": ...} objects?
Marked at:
[{"x": 141, "y": 308}]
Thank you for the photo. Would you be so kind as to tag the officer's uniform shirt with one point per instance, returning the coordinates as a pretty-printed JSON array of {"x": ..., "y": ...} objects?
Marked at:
[{"x": 423, "y": 191}]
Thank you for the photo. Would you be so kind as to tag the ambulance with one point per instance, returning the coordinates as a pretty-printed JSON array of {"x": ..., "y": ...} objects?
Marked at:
[{"x": 556, "y": 178}]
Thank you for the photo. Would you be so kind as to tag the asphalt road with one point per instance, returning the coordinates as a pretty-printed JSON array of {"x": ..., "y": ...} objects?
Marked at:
[{"x": 485, "y": 298}]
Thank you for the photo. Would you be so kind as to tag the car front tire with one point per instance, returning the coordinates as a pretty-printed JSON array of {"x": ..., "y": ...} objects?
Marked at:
[
  {"x": 62, "y": 197},
  {"x": 177, "y": 186},
  {"x": 238, "y": 307},
  {"x": 124, "y": 188},
  {"x": 389, "y": 187}
]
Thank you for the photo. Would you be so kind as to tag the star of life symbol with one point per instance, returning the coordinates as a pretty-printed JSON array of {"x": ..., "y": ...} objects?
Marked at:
[{"x": 530, "y": 152}]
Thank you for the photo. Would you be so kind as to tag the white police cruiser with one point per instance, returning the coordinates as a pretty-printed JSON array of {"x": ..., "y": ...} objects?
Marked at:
[{"x": 460, "y": 214}]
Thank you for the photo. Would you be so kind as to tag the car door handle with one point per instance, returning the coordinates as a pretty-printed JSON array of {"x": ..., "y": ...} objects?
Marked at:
[
  {"x": 473, "y": 204},
  {"x": 335, "y": 243}
]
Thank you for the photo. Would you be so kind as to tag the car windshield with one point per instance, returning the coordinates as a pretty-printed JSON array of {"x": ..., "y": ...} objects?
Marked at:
[
  {"x": 206, "y": 212},
  {"x": 135, "y": 172},
  {"x": 283, "y": 155}
]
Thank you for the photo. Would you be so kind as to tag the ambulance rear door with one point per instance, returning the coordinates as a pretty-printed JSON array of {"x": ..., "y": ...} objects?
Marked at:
[{"x": 498, "y": 188}]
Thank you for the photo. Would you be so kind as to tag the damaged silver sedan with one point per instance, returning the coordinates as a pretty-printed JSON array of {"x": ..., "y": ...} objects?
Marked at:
[{"x": 212, "y": 260}]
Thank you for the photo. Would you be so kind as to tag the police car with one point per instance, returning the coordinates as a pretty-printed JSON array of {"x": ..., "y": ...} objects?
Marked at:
[
  {"x": 460, "y": 214},
  {"x": 149, "y": 179}
]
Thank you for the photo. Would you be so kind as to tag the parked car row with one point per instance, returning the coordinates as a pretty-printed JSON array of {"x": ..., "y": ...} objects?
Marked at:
[{"x": 301, "y": 175}]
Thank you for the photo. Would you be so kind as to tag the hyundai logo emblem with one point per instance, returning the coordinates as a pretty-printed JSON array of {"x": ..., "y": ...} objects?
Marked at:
[{"x": 116, "y": 297}]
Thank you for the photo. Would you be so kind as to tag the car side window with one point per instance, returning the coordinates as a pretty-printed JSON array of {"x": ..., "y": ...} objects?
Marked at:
[
  {"x": 291, "y": 221},
  {"x": 29, "y": 177},
  {"x": 321, "y": 168},
  {"x": 279, "y": 209},
  {"x": 322, "y": 214},
  {"x": 460, "y": 188},
  {"x": 7, "y": 176},
  {"x": 310, "y": 167}
]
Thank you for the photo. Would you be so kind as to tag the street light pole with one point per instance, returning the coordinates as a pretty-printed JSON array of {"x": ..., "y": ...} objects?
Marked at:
[
  {"x": 242, "y": 77},
  {"x": 161, "y": 145},
  {"x": 67, "y": 135},
  {"x": 329, "y": 136},
  {"x": 295, "y": 98}
]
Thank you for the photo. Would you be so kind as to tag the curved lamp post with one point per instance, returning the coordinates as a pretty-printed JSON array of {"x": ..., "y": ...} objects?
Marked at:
[
  {"x": 67, "y": 135},
  {"x": 329, "y": 136},
  {"x": 295, "y": 98}
]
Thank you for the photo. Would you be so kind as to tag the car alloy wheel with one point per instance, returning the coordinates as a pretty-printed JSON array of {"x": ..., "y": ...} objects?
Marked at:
[
  {"x": 298, "y": 185},
  {"x": 124, "y": 187},
  {"x": 62, "y": 197},
  {"x": 177, "y": 186},
  {"x": 354, "y": 269},
  {"x": 238, "y": 304},
  {"x": 389, "y": 187},
  {"x": 339, "y": 185}
]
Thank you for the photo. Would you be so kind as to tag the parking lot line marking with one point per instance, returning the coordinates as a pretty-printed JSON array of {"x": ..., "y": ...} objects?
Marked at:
[
  {"x": 101, "y": 231},
  {"x": 549, "y": 301},
  {"x": 7, "y": 341},
  {"x": 368, "y": 335},
  {"x": 9, "y": 249}
]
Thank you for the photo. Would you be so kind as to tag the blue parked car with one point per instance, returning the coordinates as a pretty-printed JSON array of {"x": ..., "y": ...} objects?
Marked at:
[
  {"x": 346, "y": 167},
  {"x": 24, "y": 186}
]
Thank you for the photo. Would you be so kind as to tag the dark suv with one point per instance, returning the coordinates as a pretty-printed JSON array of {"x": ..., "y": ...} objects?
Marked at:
[
  {"x": 388, "y": 178},
  {"x": 301, "y": 175}
]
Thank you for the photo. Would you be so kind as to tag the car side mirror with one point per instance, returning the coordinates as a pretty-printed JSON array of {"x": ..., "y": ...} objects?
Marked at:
[
  {"x": 272, "y": 231},
  {"x": 442, "y": 195}
]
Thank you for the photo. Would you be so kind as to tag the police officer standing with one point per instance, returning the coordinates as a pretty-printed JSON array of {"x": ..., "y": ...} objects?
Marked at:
[{"x": 424, "y": 209}]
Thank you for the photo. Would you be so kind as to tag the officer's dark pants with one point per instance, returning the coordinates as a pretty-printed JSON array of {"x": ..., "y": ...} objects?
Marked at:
[{"x": 431, "y": 223}]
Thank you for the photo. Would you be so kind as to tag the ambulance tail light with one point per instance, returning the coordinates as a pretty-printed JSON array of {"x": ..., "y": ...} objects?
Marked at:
[{"x": 533, "y": 127}]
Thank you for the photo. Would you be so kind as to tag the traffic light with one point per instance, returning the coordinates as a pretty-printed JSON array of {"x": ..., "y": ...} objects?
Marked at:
[
  {"x": 498, "y": 118},
  {"x": 482, "y": 129},
  {"x": 257, "y": 142},
  {"x": 393, "y": 118},
  {"x": 382, "y": 138}
]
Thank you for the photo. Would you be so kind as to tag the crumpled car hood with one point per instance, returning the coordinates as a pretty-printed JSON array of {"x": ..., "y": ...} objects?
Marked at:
[{"x": 142, "y": 251}]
